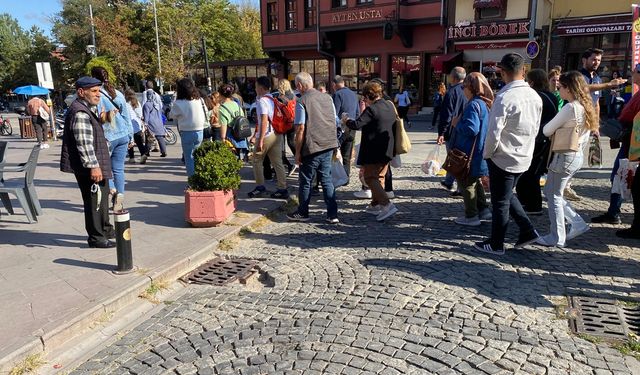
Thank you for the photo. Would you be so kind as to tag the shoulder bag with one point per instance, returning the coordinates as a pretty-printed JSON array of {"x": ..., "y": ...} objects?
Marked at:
[
  {"x": 458, "y": 163},
  {"x": 401, "y": 138},
  {"x": 566, "y": 139}
]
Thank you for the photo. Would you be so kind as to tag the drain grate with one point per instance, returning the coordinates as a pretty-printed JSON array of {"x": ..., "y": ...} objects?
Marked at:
[
  {"x": 603, "y": 318},
  {"x": 220, "y": 271}
]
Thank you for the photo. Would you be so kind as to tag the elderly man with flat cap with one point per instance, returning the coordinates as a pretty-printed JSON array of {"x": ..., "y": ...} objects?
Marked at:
[{"x": 85, "y": 154}]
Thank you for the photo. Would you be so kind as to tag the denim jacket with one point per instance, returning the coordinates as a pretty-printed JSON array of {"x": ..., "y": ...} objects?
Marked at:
[
  {"x": 473, "y": 127},
  {"x": 123, "y": 126}
]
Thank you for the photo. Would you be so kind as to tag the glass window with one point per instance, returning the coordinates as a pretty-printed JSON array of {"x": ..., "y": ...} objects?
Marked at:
[
  {"x": 261, "y": 71},
  {"x": 295, "y": 67},
  {"x": 291, "y": 14},
  {"x": 272, "y": 16},
  {"x": 321, "y": 71},
  {"x": 615, "y": 41},
  {"x": 309, "y": 13},
  {"x": 349, "y": 71},
  {"x": 338, "y": 3},
  {"x": 357, "y": 71},
  {"x": 365, "y": 1},
  {"x": 488, "y": 13},
  {"x": 405, "y": 74}
]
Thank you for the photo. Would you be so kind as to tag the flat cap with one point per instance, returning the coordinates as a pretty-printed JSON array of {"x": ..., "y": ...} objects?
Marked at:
[{"x": 87, "y": 82}]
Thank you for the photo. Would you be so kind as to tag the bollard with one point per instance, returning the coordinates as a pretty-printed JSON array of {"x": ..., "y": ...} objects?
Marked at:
[{"x": 123, "y": 243}]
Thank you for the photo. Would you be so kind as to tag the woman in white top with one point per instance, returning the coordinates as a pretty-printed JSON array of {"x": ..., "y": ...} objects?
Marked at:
[
  {"x": 135, "y": 113},
  {"x": 190, "y": 115},
  {"x": 578, "y": 112},
  {"x": 403, "y": 101}
]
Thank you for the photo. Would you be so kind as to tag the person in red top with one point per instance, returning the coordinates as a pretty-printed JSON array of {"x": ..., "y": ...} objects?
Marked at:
[
  {"x": 612, "y": 216},
  {"x": 39, "y": 119}
]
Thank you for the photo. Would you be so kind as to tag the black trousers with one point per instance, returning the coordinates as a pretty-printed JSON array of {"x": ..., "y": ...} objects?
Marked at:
[
  {"x": 346, "y": 149},
  {"x": 528, "y": 190},
  {"x": 142, "y": 147},
  {"x": 96, "y": 213},
  {"x": 635, "y": 193},
  {"x": 42, "y": 128}
]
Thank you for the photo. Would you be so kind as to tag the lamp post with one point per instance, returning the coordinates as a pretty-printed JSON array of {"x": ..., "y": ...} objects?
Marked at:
[
  {"x": 192, "y": 53},
  {"x": 155, "y": 21}
]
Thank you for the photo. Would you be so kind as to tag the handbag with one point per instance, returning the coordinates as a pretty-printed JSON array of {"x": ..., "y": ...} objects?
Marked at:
[
  {"x": 458, "y": 163},
  {"x": 401, "y": 138},
  {"x": 566, "y": 139},
  {"x": 42, "y": 113}
]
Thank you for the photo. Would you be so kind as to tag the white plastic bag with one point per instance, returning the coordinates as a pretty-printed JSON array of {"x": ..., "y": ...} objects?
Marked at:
[
  {"x": 624, "y": 177},
  {"x": 396, "y": 162},
  {"x": 338, "y": 174},
  {"x": 433, "y": 164}
]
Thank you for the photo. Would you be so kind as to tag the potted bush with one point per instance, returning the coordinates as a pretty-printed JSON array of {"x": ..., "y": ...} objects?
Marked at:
[{"x": 210, "y": 198}]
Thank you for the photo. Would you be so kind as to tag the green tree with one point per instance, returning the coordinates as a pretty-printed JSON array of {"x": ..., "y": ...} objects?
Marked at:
[{"x": 14, "y": 47}]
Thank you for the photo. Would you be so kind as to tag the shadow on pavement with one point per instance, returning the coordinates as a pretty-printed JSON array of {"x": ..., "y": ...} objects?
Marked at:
[
  {"x": 85, "y": 264},
  {"x": 37, "y": 239}
]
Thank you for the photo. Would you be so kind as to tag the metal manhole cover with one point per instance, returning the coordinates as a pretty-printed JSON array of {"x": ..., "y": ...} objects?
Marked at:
[
  {"x": 221, "y": 271},
  {"x": 603, "y": 318}
]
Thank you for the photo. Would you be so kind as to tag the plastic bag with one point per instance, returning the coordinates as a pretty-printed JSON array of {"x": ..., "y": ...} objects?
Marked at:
[
  {"x": 595, "y": 152},
  {"x": 338, "y": 174},
  {"x": 623, "y": 179},
  {"x": 433, "y": 164},
  {"x": 396, "y": 162}
]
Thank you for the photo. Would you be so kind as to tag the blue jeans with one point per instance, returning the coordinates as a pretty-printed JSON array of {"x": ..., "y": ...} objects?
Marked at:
[
  {"x": 320, "y": 163},
  {"x": 190, "y": 139},
  {"x": 118, "y": 148},
  {"x": 504, "y": 203}
]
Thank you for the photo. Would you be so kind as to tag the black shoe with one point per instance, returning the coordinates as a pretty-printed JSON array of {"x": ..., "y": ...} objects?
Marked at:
[
  {"x": 447, "y": 186},
  {"x": 455, "y": 194},
  {"x": 103, "y": 245},
  {"x": 527, "y": 238},
  {"x": 164, "y": 155},
  {"x": 606, "y": 218},
  {"x": 296, "y": 216},
  {"x": 486, "y": 247},
  {"x": 632, "y": 232},
  {"x": 257, "y": 192},
  {"x": 111, "y": 235},
  {"x": 155, "y": 150},
  {"x": 280, "y": 194}
]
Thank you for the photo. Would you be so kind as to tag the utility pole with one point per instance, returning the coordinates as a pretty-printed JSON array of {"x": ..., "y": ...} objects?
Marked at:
[
  {"x": 155, "y": 20},
  {"x": 206, "y": 64},
  {"x": 92, "y": 49}
]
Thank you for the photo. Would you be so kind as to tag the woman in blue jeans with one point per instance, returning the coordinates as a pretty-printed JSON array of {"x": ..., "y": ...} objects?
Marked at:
[
  {"x": 189, "y": 112},
  {"x": 118, "y": 131},
  {"x": 578, "y": 112}
]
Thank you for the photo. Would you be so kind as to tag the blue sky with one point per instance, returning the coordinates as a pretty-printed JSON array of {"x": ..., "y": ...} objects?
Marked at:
[{"x": 32, "y": 12}]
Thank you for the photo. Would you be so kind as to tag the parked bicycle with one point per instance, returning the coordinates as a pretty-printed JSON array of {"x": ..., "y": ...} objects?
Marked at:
[
  {"x": 170, "y": 137},
  {"x": 5, "y": 126}
]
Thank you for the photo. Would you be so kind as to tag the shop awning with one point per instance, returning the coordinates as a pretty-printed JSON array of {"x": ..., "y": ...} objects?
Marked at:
[
  {"x": 437, "y": 61},
  {"x": 477, "y": 4}
]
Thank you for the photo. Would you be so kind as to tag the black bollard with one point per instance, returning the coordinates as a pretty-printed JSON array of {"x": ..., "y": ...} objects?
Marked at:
[{"x": 123, "y": 243}]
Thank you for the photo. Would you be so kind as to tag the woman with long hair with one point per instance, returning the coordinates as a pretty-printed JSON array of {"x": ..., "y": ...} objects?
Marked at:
[
  {"x": 284, "y": 95},
  {"x": 227, "y": 111},
  {"x": 135, "y": 112},
  {"x": 468, "y": 136},
  {"x": 437, "y": 103},
  {"x": 118, "y": 131},
  {"x": 578, "y": 112},
  {"x": 190, "y": 114}
]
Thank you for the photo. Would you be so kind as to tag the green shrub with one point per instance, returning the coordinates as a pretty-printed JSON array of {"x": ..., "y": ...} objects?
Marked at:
[{"x": 216, "y": 168}]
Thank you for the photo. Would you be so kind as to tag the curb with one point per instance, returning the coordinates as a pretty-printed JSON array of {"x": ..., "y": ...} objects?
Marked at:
[{"x": 51, "y": 337}]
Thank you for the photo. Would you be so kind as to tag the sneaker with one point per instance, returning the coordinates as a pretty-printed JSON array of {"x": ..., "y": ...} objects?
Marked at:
[
  {"x": 41, "y": 146},
  {"x": 455, "y": 194},
  {"x": 578, "y": 230},
  {"x": 143, "y": 159},
  {"x": 45, "y": 145},
  {"x": 632, "y": 232},
  {"x": 571, "y": 195},
  {"x": 363, "y": 194},
  {"x": 390, "y": 194},
  {"x": 332, "y": 220},
  {"x": 544, "y": 242},
  {"x": 485, "y": 247},
  {"x": 447, "y": 186},
  {"x": 131, "y": 161},
  {"x": 280, "y": 194},
  {"x": 468, "y": 221},
  {"x": 485, "y": 215},
  {"x": 296, "y": 216},
  {"x": 527, "y": 238},
  {"x": 257, "y": 192},
  {"x": 606, "y": 218},
  {"x": 118, "y": 202},
  {"x": 387, "y": 211},
  {"x": 373, "y": 210},
  {"x": 155, "y": 150}
]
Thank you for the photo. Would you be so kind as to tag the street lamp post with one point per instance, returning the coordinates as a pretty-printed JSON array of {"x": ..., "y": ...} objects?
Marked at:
[
  {"x": 192, "y": 53},
  {"x": 155, "y": 21}
]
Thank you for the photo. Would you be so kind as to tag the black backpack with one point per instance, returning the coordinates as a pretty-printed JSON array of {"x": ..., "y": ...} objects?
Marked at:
[{"x": 239, "y": 124}]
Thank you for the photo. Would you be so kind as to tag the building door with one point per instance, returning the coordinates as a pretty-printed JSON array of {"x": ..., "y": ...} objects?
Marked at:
[{"x": 405, "y": 74}]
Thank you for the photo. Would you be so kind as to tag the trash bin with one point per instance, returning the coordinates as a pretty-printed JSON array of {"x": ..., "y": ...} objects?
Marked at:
[{"x": 26, "y": 127}]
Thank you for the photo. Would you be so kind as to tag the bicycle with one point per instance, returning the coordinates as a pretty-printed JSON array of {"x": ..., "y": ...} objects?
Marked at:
[
  {"x": 5, "y": 126},
  {"x": 170, "y": 137}
]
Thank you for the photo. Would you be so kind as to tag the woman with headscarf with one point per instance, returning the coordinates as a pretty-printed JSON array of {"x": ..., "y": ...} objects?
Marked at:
[
  {"x": 152, "y": 115},
  {"x": 468, "y": 136}
]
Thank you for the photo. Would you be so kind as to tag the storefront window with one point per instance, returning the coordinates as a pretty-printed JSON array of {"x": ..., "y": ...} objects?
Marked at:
[
  {"x": 405, "y": 73},
  {"x": 349, "y": 73},
  {"x": 357, "y": 71},
  {"x": 322, "y": 71},
  {"x": 318, "y": 69}
]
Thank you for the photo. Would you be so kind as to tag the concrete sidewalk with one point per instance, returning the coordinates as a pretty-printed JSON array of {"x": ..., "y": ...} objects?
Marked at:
[{"x": 52, "y": 285}]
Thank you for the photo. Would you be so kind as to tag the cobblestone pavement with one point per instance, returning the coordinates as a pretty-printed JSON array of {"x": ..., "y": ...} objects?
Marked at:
[{"x": 407, "y": 296}]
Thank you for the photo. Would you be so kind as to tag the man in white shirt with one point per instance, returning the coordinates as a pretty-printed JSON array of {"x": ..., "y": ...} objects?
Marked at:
[
  {"x": 513, "y": 125},
  {"x": 267, "y": 143}
]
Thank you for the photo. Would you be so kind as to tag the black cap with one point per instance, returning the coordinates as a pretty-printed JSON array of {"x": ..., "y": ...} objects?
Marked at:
[
  {"x": 87, "y": 82},
  {"x": 511, "y": 62},
  {"x": 378, "y": 80}
]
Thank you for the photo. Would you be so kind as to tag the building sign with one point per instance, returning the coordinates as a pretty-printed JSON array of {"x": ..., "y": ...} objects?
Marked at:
[
  {"x": 493, "y": 45},
  {"x": 361, "y": 15},
  {"x": 601, "y": 28},
  {"x": 533, "y": 49},
  {"x": 635, "y": 40},
  {"x": 492, "y": 30}
]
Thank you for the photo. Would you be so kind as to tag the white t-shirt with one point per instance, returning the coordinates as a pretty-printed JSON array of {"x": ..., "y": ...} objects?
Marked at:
[
  {"x": 264, "y": 107},
  {"x": 403, "y": 99},
  {"x": 189, "y": 114}
]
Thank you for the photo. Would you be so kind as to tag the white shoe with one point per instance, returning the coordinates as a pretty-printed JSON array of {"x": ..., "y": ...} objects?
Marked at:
[
  {"x": 571, "y": 194},
  {"x": 387, "y": 211},
  {"x": 373, "y": 210},
  {"x": 468, "y": 221},
  {"x": 363, "y": 194},
  {"x": 578, "y": 230},
  {"x": 45, "y": 145},
  {"x": 42, "y": 146},
  {"x": 390, "y": 194}
]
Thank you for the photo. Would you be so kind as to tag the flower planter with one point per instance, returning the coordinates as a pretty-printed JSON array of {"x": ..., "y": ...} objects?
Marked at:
[{"x": 208, "y": 208}]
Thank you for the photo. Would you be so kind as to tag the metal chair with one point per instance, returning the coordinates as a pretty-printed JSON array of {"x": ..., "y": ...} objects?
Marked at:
[{"x": 26, "y": 193}]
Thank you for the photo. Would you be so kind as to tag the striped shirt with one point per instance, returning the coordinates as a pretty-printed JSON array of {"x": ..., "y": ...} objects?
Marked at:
[{"x": 83, "y": 133}]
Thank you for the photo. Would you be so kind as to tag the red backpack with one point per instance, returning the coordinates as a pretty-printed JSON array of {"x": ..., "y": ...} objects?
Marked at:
[{"x": 283, "y": 115}]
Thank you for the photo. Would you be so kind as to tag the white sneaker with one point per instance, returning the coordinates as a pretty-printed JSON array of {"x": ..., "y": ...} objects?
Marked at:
[
  {"x": 390, "y": 194},
  {"x": 45, "y": 145},
  {"x": 363, "y": 194},
  {"x": 468, "y": 221},
  {"x": 373, "y": 210},
  {"x": 577, "y": 230},
  {"x": 387, "y": 211},
  {"x": 42, "y": 146}
]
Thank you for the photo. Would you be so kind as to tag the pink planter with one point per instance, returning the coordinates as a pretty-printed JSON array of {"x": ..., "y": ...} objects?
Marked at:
[{"x": 208, "y": 208}]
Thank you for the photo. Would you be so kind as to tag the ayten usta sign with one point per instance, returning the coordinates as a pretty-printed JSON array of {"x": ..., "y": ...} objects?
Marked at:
[{"x": 489, "y": 30}]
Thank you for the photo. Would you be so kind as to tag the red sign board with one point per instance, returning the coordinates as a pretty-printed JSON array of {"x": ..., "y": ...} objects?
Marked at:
[
  {"x": 493, "y": 45},
  {"x": 489, "y": 31}
]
